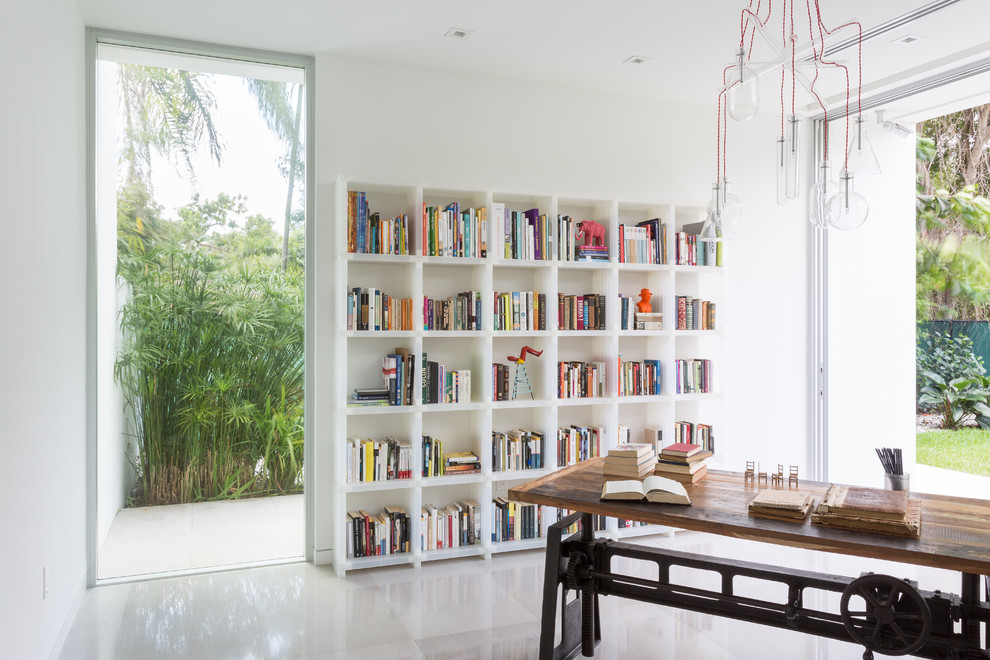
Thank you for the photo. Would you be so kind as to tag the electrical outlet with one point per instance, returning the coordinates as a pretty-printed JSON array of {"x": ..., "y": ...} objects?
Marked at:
[{"x": 46, "y": 573}]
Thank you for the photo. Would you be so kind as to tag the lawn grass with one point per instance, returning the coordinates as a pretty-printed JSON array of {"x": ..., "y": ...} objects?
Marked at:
[{"x": 964, "y": 450}]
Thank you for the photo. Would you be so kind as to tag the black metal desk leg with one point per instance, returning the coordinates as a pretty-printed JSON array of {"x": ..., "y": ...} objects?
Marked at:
[
  {"x": 554, "y": 574},
  {"x": 971, "y": 626}
]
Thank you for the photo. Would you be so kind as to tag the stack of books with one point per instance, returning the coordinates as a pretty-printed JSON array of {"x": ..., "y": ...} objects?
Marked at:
[
  {"x": 461, "y": 462},
  {"x": 869, "y": 510},
  {"x": 788, "y": 505},
  {"x": 370, "y": 397},
  {"x": 683, "y": 462},
  {"x": 592, "y": 253},
  {"x": 631, "y": 460}
]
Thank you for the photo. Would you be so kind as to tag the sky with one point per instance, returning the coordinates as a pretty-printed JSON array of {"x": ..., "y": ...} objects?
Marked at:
[{"x": 249, "y": 163}]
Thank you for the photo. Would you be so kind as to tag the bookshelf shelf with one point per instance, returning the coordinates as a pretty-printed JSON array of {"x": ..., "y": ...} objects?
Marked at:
[{"x": 357, "y": 355}]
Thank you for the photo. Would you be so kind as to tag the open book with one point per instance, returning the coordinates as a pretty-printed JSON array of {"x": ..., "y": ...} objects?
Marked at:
[{"x": 652, "y": 489}]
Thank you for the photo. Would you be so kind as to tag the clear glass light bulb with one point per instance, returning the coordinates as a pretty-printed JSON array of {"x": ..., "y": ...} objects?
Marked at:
[
  {"x": 732, "y": 206},
  {"x": 781, "y": 167},
  {"x": 862, "y": 158},
  {"x": 793, "y": 155},
  {"x": 847, "y": 209},
  {"x": 715, "y": 227},
  {"x": 825, "y": 186},
  {"x": 743, "y": 97}
]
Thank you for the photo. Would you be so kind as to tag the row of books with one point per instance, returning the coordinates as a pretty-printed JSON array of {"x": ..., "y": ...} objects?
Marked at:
[
  {"x": 583, "y": 312},
  {"x": 500, "y": 382},
  {"x": 515, "y": 521},
  {"x": 378, "y": 460},
  {"x": 398, "y": 376},
  {"x": 695, "y": 434},
  {"x": 639, "y": 244},
  {"x": 436, "y": 463},
  {"x": 460, "y": 312},
  {"x": 450, "y": 231},
  {"x": 442, "y": 385},
  {"x": 372, "y": 309},
  {"x": 385, "y": 533},
  {"x": 578, "y": 443},
  {"x": 695, "y": 314},
  {"x": 369, "y": 233},
  {"x": 451, "y": 526},
  {"x": 525, "y": 234},
  {"x": 579, "y": 380},
  {"x": 566, "y": 245},
  {"x": 639, "y": 378},
  {"x": 693, "y": 376},
  {"x": 689, "y": 251},
  {"x": 517, "y": 449},
  {"x": 520, "y": 310}
]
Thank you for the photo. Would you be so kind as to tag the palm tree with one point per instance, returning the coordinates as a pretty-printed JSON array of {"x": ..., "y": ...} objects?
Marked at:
[
  {"x": 283, "y": 114},
  {"x": 168, "y": 110}
]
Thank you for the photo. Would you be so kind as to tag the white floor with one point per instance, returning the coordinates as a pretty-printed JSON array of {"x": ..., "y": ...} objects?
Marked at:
[
  {"x": 180, "y": 537},
  {"x": 472, "y": 608},
  {"x": 460, "y": 609}
]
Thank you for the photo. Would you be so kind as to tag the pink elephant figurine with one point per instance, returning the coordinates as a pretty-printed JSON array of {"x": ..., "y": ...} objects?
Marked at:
[{"x": 594, "y": 232}]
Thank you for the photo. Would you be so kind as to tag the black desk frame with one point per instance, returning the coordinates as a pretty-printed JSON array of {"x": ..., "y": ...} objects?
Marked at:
[{"x": 899, "y": 619}]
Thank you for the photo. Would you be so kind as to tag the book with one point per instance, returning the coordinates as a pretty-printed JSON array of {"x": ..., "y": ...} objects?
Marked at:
[
  {"x": 693, "y": 459},
  {"x": 680, "y": 468},
  {"x": 781, "y": 504},
  {"x": 652, "y": 489},
  {"x": 636, "y": 449},
  {"x": 865, "y": 502},
  {"x": 679, "y": 449},
  {"x": 910, "y": 525},
  {"x": 683, "y": 478},
  {"x": 629, "y": 467}
]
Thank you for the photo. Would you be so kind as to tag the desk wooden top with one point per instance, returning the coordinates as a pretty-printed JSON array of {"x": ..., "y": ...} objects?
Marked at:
[{"x": 955, "y": 531}]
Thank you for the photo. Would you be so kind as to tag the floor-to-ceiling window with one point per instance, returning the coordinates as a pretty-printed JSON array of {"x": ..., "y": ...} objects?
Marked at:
[{"x": 200, "y": 281}]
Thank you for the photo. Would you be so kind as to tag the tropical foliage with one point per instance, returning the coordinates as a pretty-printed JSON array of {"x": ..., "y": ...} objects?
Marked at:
[
  {"x": 211, "y": 366},
  {"x": 953, "y": 219}
]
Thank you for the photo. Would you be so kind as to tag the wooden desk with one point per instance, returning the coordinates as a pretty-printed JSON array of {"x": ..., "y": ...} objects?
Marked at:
[{"x": 955, "y": 535}]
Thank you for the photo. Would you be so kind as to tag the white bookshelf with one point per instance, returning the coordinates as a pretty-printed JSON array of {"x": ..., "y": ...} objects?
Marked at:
[{"x": 468, "y": 426}]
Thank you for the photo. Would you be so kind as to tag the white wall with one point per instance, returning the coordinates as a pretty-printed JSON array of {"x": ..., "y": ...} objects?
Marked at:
[
  {"x": 872, "y": 320},
  {"x": 394, "y": 124},
  {"x": 43, "y": 333}
]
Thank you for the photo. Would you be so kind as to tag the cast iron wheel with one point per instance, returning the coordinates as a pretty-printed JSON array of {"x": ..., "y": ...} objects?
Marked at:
[
  {"x": 896, "y": 619},
  {"x": 577, "y": 571}
]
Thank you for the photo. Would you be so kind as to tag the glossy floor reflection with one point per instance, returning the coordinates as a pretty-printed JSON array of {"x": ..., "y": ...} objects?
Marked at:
[{"x": 463, "y": 609}]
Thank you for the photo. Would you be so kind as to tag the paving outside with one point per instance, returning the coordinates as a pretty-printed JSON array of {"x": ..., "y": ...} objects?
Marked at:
[{"x": 181, "y": 537}]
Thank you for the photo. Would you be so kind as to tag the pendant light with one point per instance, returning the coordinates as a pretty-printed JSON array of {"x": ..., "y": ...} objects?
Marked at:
[
  {"x": 861, "y": 157},
  {"x": 847, "y": 209},
  {"x": 743, "y": 98},
  {"x": 797, "y": 44}
]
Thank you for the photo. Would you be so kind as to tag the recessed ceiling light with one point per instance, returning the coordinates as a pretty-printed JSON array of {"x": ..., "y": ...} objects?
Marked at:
[
  {"x": 635, "y": 59},
  {"x": 458, "y": 33},
  {"x": 907, "y": 39}
]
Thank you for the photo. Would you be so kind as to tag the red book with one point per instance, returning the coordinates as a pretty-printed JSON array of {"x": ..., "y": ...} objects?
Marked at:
[{"x": 681, "y": 449}]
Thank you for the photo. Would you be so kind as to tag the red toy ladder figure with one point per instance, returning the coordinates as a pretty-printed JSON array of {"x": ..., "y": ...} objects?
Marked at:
[{"x": 521, "y": 383}]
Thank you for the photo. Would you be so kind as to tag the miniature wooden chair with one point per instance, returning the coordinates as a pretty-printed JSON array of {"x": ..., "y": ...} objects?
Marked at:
[
  {"x": 792, "y": 477},
  {"x": 777, "y": 478},
  {"x": 761, "y": 477},
  {"x": 750, "y": 473}
]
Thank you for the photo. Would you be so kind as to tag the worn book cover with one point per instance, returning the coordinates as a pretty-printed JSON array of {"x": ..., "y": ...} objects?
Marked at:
[
  {"x": 909, "y": 525},
  {"x": 781, "y": 504},
  {"x": 865, "y": 502}
]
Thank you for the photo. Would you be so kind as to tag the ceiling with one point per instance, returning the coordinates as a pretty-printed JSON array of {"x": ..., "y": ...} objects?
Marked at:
[{"x": 576, "y": 43}]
